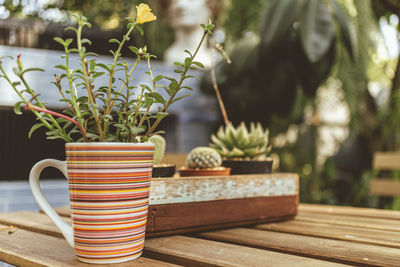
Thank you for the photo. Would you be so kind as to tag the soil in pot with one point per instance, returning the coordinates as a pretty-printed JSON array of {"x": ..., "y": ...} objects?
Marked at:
[
  {"x": 248, "y": 166},
  {"x": 163, "y": 170},
  {"x": 219, "y": 171}
]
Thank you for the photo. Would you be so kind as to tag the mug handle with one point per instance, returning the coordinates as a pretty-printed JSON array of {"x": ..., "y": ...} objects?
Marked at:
[{"x": 34, "y": 176}]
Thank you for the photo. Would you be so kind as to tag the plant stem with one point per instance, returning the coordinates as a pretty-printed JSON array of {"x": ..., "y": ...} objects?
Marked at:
[
  {"x": 154, "y": 89},
  {"x": 171, "y": 98},
  {"x": 87, "y": 83},
  {"x": 123, "y": 85},
  {"x": 72, "y": 89},
  {"x": 219, "y": 98},
  {"x": 116, "y": 56},
  {"x": 30, "y": 90},
  {"x": 37, "y": 114},
  {"x": 30, "y": 106}
]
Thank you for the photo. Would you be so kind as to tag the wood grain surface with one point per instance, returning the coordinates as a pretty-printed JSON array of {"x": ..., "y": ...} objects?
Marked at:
[
  {"x": 339, "y": 232},
  {"x": 198, "y": 189},
  {"x": 322, "y": 248},
  {"x": 217, "y": 213},
  {"x": 350, "y": 211},
  {"x": 318, "y": 236},
  {"x": 27, "y": 248},
  {"x": 190, "y": 251}
]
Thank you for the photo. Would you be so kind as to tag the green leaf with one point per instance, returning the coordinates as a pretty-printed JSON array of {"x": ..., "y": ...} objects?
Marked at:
[
  {"x": 104, "y": 66},
  {"x": 86, "y": 41},
  {"x": 188, "y": 61},
  {"x": 158, "y": 97},
  {"x": 59, "y": 40},
  {"x": 161, "y": 115},
  {"x": 68, "y": 42},
  {"x": 187, "y": 51},
  {"x": 346, "y": 28},
  {"x": 91, "y": 54},
  {"x": 191, "y": 76},
  {"x": 136, "y": 130},
  {"x": 134, "y": 49},
  {"x": 171, "y": 79},
  {"x": 178, "y": 64},
  {"x": 17, "y": 107},
  {"x": 140, "y": 30},
  {"x": 113, "y": 40},
  {"x": 210, "y": 27},
  {"x": 92, "y": 64},
  {"x": 32, "y": 69},
  {"x": 197, "y": 63},
  {"x": 17, "y": 71},
  {"x": 173, "y": 86},
  {"x": 316, "y": 30},
  {"x": 278, "y": 20},
  {"x": 61, "y": 67},
  {"x": 3, "y": 57},
  {"x": 179, "y": 98},
  {"x": 71, "y": 29},
  {"x": 158, "y": 77}
]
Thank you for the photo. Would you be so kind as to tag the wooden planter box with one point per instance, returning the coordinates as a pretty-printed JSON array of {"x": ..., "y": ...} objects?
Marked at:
[
  {"x": 188, "y": 204},
  {"x": 201, "y": 203}
]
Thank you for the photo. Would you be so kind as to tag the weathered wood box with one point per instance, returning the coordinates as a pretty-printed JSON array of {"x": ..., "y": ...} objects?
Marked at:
[
  {"x": 188, "y": 204},
  {"x": 198, "y": 203}
]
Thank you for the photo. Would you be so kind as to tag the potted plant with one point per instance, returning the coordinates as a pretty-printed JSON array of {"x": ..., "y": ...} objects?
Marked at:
[
  {"x": 203, "y": 161},
  {"x": 106, "y": 129},
  {"x": 161, "y": 169},
  {"x": 244, "y": 151}
]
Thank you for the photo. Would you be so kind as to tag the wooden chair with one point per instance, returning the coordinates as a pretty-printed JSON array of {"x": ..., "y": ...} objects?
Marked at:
[{"x": 384, "y": 186}]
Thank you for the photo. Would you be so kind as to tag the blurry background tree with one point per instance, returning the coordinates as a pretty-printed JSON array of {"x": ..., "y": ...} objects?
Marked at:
[
  {"x": 277, "y": 72},
  {"x": 106, "y": 16}
]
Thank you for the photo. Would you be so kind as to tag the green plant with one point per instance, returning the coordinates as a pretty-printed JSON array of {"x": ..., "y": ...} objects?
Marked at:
[
  {"x": 231, "y": 142},
  {"x": 203, "y": 158},
  {"x": 159, "y": 147},
  {"x": 112, "y": 112}
]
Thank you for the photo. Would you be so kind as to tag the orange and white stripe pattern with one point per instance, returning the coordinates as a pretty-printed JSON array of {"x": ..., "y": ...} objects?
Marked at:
[{"x": 109, "y": 186}]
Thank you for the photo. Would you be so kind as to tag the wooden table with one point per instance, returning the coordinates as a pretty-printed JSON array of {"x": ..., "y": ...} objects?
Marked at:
[{"x": 319, "y": 236}]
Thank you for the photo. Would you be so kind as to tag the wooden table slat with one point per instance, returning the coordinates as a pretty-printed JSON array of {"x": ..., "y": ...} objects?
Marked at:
[
  {"x": 352, "y": 211},
  {"x": 194, "y": 252},
  {"x": 339, "y": 232},
  {"x": 318, "y": 236},
  {"x": 355, "y": 221},
  {"x": 190, "y": 251},
  {"x": 31, "y": 221},
  {"x": 26, "y": 248},
  {"x": 320, "y": 248}
]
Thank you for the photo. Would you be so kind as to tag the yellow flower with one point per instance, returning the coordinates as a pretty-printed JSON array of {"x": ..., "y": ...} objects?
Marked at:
[{"x": 144, "y": 14}]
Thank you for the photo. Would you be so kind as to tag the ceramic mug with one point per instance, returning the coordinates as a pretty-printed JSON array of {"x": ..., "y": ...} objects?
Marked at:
[{"x": 109, "y": 186}]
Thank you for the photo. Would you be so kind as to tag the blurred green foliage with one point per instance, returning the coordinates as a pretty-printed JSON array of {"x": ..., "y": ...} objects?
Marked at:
[{"x": 380, "y": 129}]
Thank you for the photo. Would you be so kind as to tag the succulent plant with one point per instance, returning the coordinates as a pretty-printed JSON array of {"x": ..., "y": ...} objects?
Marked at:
[
  {"x": 231, "y": 142},
  {"x": 159, "y": 147},
  {"x": 203, "y": 158}
]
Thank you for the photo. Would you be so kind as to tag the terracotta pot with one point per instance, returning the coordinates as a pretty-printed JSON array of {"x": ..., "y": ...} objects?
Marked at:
[
  {"x": 164, "y": 170},
  {"x": 249, "y": 166},
  {"x": 205, "y": 172}
]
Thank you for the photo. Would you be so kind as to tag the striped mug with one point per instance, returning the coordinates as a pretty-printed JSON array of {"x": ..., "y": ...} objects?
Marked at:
[{"x": 109, "y": 186}]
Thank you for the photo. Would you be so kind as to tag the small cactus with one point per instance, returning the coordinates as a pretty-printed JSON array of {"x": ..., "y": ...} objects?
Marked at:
[
  {"x": 159, "y": 148},
  {"x": 203, "y": 158}
]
